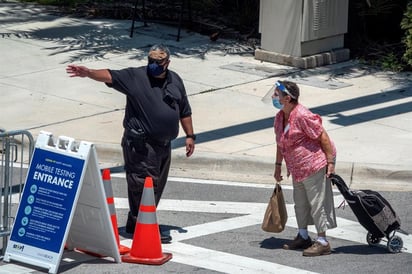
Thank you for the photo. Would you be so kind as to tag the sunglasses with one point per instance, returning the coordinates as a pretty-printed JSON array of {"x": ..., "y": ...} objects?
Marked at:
[
  {"x": 283, "y": 89},
  {"x": 157, "y": 61}
]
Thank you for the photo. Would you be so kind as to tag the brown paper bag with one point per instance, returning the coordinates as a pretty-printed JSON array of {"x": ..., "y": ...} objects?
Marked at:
[{"x": 276, "y": 215}]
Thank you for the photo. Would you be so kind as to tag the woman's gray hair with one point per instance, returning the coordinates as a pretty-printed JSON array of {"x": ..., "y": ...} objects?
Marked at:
[
  {"x": 161, "y": 47},
  {"x": 293, "y": 89}
]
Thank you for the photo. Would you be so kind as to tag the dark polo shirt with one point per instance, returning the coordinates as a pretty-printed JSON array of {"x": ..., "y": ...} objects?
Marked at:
[{"x": 154, "y": 105}]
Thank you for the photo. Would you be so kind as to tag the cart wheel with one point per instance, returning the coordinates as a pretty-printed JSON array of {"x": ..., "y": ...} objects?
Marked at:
[
  {"x": 372, "y": 240},
  {"x": 395, "y": 244}
]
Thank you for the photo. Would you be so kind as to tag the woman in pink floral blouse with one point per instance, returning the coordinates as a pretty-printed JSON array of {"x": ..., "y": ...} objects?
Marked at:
[{"x": 310, "y": 156}]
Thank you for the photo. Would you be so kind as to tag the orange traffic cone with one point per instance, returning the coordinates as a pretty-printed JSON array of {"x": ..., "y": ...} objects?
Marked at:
[
  {"x": 146, "y": 246},
  {"x": 110, "y": 201}
]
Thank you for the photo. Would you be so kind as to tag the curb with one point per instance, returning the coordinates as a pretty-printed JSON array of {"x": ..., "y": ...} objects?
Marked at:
[{"x": 248, "y": 169}]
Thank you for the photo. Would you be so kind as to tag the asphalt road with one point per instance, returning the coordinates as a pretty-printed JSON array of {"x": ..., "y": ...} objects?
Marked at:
[{"x": 216, "y": 229}]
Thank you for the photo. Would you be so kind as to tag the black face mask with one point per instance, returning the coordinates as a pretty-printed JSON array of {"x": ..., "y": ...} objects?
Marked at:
[{"x": 154, "y": 67}]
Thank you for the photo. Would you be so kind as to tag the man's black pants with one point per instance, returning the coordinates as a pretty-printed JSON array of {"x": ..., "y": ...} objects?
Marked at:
[{"x": 141, "y": 161}]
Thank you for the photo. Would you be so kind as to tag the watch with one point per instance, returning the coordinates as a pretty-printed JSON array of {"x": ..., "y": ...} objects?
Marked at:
[{"x": 193, "y": 136}]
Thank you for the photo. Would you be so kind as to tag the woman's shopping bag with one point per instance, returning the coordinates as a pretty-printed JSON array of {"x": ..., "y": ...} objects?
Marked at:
[{"x": 276, "y": 214}]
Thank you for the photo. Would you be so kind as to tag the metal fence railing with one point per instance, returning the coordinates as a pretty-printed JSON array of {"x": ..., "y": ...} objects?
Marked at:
[{"x": 16, "y": 149}]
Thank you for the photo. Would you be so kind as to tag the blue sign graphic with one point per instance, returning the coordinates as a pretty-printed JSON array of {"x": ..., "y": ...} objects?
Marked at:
[{"x": 48, "y": 197}]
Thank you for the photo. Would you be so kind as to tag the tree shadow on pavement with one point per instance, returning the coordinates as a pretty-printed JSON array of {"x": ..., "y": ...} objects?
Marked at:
[
  {"x": 18, "y": 13},
  {"x": 87, "y": 39}
]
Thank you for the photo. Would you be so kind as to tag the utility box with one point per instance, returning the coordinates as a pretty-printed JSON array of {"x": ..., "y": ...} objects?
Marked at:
[{"x": 303, "y": 33}]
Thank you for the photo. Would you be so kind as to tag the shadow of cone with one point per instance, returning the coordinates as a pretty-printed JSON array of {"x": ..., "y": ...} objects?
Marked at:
[
  {"x": 107, "y": 183},
  {"x": 146, "y": 246}
]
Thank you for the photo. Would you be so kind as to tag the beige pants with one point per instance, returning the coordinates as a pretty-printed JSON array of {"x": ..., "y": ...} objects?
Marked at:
[{"x": 314, "y": 202}]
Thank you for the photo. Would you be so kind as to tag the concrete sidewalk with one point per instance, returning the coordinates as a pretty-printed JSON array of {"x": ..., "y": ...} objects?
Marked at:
[{"x": 367, "y": 113}]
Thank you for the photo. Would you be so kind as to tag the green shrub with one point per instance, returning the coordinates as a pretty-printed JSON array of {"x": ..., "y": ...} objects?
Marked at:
[
  {"x": 391, "y": 62},
  {"x": 406, "y": 25}
]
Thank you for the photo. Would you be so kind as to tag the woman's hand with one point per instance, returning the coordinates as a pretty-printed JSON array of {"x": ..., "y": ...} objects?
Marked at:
[
  {"x": 330, "y": 169},
  {"x": 278, "y": 173}
]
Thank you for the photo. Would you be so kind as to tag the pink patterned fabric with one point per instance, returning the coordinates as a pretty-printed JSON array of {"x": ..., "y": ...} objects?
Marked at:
[{"x": 299, "y": 142}]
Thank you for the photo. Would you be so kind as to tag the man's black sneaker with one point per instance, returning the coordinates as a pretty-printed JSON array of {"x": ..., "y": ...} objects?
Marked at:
[{"x": 166, "y": 239}]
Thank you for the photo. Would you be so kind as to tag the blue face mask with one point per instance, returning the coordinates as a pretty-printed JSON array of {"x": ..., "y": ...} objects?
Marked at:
[
  {"x": 276, "y": 103},
  {"x": 154, "y": 69}
]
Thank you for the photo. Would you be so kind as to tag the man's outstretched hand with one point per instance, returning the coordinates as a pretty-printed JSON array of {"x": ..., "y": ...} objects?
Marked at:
[{"x": 77, "y": 71}]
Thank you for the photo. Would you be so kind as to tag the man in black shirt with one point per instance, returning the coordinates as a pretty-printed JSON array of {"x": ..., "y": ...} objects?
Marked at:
[{"x": 156, "y": 103}]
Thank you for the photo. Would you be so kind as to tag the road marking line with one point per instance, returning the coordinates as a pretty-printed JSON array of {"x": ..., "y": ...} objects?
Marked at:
[
  {"x": 211, "y": 206},
  {"x": 209, "y": 228},
  {"x": 209, "y": 182},
  {"x": 15, "y": 269},
  {"x": 225, "y": 262},
  {"x": 232, "y": 183},
  {"x": 220, "y": 261}
]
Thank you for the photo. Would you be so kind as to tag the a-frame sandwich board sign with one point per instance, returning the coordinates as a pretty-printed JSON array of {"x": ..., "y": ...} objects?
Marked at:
[{"x": 63, "y": 204}]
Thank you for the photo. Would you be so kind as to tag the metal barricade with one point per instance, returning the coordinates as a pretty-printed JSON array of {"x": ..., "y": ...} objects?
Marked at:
[{"x": 16, "y": 149}]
